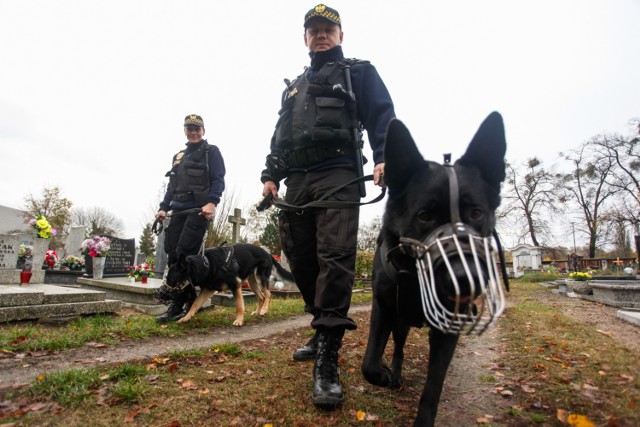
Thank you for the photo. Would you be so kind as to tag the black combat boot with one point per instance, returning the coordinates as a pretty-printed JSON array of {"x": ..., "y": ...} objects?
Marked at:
[
  {"x": 307, "y": 351},
  {"x": 327, "y": 391},
  {"x": 174, "y": 310},
  {"x": 190, "y": 296}
]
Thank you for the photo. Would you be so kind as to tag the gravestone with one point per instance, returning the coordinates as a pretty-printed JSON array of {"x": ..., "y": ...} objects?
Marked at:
[
  {"x": 140, "y": 258},
  {"x": 161, "y": 255},
  {"x": 237, "y": 221},
  {"x": 9, "y": 247},
  {"x": 121, "y": 257},
  {"x": 287, "y": 286},
  {"x": 73, "y": 242}
]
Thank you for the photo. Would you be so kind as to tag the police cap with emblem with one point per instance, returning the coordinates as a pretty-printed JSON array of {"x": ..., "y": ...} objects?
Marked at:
[
  {"x": 325, "y": 12},
  {"x": 193, "y": 120}
]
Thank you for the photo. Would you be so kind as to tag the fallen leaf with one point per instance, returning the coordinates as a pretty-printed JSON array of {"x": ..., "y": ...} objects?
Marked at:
[
  {"x": 94, "y": 344},
  {"x": 172, "y": 366},
  {"x": 506, "y": 393},
  {"x": 189, "y": 385},
  {"x": 360, "y": 415},
  {"x": 39, "y": 406},
  {"x": 131, "y": 416},
  {"x": 527, "y": 389},
  {"x": 625, "y": 379},
  {"x": 609, "y": 334},
  {"x": 562, "y": 415},
  {"x": 577, "y": 420}
]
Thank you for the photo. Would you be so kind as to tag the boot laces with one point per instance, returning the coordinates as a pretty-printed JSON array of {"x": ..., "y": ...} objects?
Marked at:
[{"x": 328, "y": 359}]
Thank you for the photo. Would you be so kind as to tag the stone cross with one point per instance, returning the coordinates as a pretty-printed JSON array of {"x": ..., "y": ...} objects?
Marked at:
[{"x": 237, "y": 221}]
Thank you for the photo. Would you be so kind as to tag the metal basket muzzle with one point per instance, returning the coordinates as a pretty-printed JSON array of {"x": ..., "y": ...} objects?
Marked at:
[{"x": 474, "y": 294}]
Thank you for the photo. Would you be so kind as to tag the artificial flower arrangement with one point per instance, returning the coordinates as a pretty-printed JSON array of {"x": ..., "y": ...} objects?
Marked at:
[
  {"x": 42, "y": 227},
  {"x": 50, "y": 258},
  {"x": 141, "y": 270},
  {"x": 580, "y": 276},
  {"x": 73, "y": 262},
  {"x": 25, "y": 257},
  {"x": 25, "y": 251},
  {"x": 97, "y": 246}
]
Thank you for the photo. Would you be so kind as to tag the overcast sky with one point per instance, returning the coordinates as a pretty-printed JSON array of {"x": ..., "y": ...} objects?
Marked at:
[{"x": 93, "y": 94}]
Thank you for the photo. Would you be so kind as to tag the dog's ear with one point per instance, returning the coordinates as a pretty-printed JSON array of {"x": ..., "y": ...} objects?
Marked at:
[
  {"x": 182, "y": 262},
  {"x": 487, "y": 149},
  {"x": 196, "y": 268},
  {"x": 401, "y": 156}
]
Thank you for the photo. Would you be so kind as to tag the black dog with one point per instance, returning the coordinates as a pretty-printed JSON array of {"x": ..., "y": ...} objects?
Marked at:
[
  {"x": 226, "y": 268},
  {"x": 434, "y": 264}
]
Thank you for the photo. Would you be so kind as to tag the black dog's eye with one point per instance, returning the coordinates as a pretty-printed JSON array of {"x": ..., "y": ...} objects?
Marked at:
[
  {"x": 476, "y": 214},
  {"x": 425, "y": 216}
]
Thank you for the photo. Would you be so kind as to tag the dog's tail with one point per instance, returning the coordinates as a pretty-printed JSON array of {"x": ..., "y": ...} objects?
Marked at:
[{"x": 281, "y": 272}]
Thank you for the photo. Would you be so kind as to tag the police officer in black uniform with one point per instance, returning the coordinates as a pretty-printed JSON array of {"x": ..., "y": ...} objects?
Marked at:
[
  {"x": 196, "y": 181},
  {"x": 314, "y": 150}
]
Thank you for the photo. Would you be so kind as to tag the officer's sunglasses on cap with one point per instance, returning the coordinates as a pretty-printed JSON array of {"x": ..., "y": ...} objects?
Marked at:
[{"x": 193, "y": 128}]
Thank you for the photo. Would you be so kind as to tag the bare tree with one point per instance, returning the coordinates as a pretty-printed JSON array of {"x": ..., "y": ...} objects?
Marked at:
[
  {"x": 587, "y": 186},
  {"x": 98, "y": 221},
  {"x": 625, "y": 153},
  {"x": 220, "y": 229},
  {"x": 55, "y": 208},
  {"x": 368, "y": 235},
  {"x": 528, "y": 199}
]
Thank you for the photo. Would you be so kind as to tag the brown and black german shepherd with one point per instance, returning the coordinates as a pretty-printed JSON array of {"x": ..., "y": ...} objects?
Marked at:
[
  {"x": 226, "y": 268},
  {"x": 433, "y": 265}
]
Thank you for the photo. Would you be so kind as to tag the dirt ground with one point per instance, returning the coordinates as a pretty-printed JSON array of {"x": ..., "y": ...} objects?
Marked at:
[{"x": 465, "y": 400}]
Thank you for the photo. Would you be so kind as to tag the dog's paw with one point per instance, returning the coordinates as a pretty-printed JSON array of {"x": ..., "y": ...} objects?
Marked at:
[
  {"x": 238, "y": 322},
  {"x": 382, "y": 377},
  {"x": 184, "y": 319}
]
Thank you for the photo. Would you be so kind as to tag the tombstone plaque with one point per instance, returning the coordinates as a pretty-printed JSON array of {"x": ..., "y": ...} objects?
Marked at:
[
  {"x": 141, "y": 258},
  {"x": 9, "y": 246},
  {"x": 121, "y": 257}
]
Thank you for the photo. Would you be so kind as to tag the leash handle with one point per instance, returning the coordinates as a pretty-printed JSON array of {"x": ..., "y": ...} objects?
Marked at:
[
  {"x": 158, "y": 225},
  {"x": 322, "y": 202}
]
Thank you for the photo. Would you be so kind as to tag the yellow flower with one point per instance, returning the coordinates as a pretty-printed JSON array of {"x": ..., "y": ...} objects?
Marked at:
[{"x": 42, "y": 223}]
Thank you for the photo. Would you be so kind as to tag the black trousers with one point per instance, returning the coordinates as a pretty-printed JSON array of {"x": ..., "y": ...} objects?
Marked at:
[
  {"x": 184, "y": 235},
  {"x": 321, "y": 245}
]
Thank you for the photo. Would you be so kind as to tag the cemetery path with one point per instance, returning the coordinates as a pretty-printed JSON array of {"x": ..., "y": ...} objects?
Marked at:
[
  {"x": 23, "y": 369},
  {"x": 466, "y": 398}
]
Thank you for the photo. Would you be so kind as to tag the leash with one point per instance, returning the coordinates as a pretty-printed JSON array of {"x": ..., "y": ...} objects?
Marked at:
[
  {"x": 323, "y": 201},
  {"x": 158, "y": 225}
]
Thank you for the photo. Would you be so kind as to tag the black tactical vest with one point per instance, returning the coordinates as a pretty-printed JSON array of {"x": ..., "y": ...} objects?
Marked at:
[
  {"x": 189, "y": 176},
  {"x": 316, "y": 111}
]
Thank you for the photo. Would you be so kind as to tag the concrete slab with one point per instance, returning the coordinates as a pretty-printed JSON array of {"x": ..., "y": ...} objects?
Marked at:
[
  {"x": 28, "y": 312},
  {"x": 37, "y": 294},
  {"x": 13, "y": 295},
  {"x": 121, "y": 288},
  {"x": 631, "y": 316}
]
